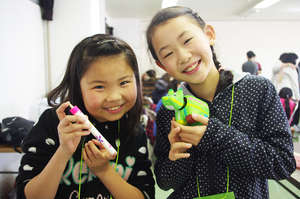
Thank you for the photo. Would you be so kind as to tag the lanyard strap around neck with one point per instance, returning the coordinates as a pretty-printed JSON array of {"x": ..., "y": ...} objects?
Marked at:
[
  {"x": 81, "y": 159},
  {"x": 118, "y": 150},
  {"x": 229, "y": 124}
]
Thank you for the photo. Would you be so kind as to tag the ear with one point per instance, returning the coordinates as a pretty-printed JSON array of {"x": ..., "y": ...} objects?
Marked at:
[
  {"x": 210, "y": 33},
  {"x": 160, "y": 65}
]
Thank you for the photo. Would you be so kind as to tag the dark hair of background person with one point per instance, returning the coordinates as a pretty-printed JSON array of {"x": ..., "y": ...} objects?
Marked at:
[
  {"x": 151, "y": 73},
  {"x": 173, "y": 84},
  {"x": 164, "y": 15},
  {"x": 286, "y": 93},
  {"x": 250, "y": 54},
  {"x": 85, "y": 53},
  {"x": 288, "y": 58}
]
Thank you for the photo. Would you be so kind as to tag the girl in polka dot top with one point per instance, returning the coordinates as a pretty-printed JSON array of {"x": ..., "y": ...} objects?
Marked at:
[{"x": 246, "y": 139}]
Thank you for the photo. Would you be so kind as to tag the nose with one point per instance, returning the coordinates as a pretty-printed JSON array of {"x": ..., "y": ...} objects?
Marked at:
[
  {"x": 184, "y": 55},
  {"x": 113, "y": 95}
]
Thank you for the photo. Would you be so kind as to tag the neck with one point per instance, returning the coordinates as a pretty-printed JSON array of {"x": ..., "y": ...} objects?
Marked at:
[{"x": 207, "y": 89}]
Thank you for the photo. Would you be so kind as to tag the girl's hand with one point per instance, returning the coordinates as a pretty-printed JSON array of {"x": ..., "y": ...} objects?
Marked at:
[
  {"x": 193, "y": 134},
  {"x": 70, "y": 129},
  {"x": 96, "y": 157},
  {"x": 178, "y": 147}
]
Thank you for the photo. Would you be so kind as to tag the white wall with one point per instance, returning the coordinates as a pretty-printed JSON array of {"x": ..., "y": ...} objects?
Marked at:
[
  {"x": 22, "y": 71},
  {"x": 22, "y": 76},
  {"x": 71, "y": 23},
  {"x": 132, "y": 30},
  {"x": 267, "y": 39}
]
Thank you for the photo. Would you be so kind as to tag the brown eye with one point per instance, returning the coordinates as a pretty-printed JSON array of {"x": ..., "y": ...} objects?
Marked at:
[
  {"x": 99, "y": 87},
  {"x": 124, "y": 83},
  {"x": 188, "y": 40},
  {"x": 170, "y": 53}
]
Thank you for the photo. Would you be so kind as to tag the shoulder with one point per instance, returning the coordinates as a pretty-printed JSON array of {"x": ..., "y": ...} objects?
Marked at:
[
  {"x": 246, "y": 79},
  {"x": 44, "y": 131},
  {"x": 49, "y": 117},
  {"x": 255, "y": 85},
  {"x": 47, "y": 122},
  {"x": 50, "y": 112},
  {"x": 253, "y": 80}
]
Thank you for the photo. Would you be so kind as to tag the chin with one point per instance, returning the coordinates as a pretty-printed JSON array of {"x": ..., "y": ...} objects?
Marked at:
[{"x": 114, "y": 118}]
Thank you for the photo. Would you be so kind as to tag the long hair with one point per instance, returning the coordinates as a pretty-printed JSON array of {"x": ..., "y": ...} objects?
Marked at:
[
  {"x": 286, "y": 94},
  {"x": 84, "y": 53},
  {"x": 166, "y": 14}
]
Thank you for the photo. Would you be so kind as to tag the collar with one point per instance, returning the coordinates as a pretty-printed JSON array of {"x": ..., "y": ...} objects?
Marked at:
[{"x": 236, "y": 78}]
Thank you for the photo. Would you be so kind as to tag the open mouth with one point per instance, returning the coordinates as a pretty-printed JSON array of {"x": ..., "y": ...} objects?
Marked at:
[
  {"x": 114, "y": 109},
  {"x": 192, "y": 68}
]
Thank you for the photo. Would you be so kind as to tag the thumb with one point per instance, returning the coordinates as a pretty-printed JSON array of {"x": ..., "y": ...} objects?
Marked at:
[{"x": 200, "y": 118}]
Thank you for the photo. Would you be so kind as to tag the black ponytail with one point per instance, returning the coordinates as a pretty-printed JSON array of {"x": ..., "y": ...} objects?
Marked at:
[
  {"x": 286, "y": 93},
  {"x": 226, "y": 76},
  {"x": 287, "y": 107}
]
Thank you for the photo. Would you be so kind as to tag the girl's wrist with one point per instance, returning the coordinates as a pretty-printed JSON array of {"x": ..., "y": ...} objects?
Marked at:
[
  {"x": 104, "y": 171},
  {"x": 63, "y": 154}
]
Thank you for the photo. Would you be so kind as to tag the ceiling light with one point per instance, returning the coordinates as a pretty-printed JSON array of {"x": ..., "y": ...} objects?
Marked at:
[
  {"x": 168, "y": 3},
  {"x": 265, "y": 4}
]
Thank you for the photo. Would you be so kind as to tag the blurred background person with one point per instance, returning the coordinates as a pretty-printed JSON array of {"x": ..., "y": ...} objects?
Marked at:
[{"x": 250, "y": 66}]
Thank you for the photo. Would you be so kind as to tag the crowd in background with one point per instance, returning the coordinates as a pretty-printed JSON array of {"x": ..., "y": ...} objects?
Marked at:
[
  {"x": 285, "y": 77},
  {"x": 154, "y": 88}
]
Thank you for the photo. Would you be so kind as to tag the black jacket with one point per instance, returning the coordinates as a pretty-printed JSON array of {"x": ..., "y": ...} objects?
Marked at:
[
  {"x": 42, "y": 142},
  {"x": 258, "y": 145}
]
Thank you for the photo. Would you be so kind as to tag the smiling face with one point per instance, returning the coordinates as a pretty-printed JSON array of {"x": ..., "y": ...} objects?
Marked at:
[
  {"x": 109, "y": 88},
  {"x": 185, "y": 53}
]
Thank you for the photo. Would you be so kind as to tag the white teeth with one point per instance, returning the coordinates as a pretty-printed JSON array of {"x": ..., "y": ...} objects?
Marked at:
[
  {"x": 192, "y": 67},
  {"x": 114, "y": 108}
]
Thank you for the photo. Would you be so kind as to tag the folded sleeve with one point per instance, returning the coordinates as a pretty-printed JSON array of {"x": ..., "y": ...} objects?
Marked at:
[{"x": 169, "y": 174}]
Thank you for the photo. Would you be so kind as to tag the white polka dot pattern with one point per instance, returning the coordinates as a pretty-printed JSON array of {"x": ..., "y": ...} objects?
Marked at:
[
  {"x": 257, "y": 147},
  {"x": 50, "y": 141}
]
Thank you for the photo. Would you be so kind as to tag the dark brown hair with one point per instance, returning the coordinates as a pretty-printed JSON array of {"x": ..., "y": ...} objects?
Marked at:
[{"x": 84, "y": 53}]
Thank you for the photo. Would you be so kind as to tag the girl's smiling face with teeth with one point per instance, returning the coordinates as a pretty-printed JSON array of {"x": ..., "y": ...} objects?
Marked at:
[
  {"x": 109, "y": 88},
  {"x": 183, "y": 49}
]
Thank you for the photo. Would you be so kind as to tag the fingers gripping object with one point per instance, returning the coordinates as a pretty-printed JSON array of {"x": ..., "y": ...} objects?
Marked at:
[
  {"x": 76, "y": 111},
  {"x": 184, "y": 106}
]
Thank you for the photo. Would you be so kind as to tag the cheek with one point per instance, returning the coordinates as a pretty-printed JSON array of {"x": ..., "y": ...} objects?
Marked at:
[
  {"x": 204, "y": 50},
  {"x": 92, "y": 101},
  {"x": 132, "y": 95},
  {"x": 169, "y": 65},
  {"x": 171, "y": 70}
]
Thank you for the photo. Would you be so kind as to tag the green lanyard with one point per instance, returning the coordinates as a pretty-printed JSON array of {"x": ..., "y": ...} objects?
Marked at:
[
  {"x": 81, "y": 159},
  {"x": 118, "y": 145},
  {"x": 80, "y": 170},
  {"x": 227, "y": 186}
]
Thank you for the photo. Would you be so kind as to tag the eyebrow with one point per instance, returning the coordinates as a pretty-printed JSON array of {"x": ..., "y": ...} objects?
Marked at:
[
  {"x": 102, "y": 82},
  {"x": 166, "y": 46}
]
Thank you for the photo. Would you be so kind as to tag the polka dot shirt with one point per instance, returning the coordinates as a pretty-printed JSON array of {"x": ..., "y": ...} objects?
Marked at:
[{"x": 258, "y": 145}]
